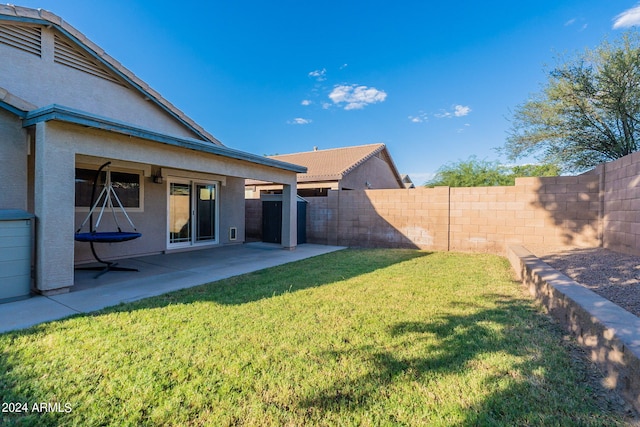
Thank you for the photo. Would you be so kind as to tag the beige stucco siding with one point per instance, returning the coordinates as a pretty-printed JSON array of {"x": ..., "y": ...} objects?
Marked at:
[
  {"x": 232, "y": 206},
  {"x": 375, "y": 171},
  {"x": 70, "y": 141},
  {"x": 13, "y": 162},
  {"x": 42, "y": 82},
  {"x": 152, "y": 223},
  {"x": 109, "y": 145},
  {"x": 50, "y": 77},
  {"x": 54, "y": 209}
]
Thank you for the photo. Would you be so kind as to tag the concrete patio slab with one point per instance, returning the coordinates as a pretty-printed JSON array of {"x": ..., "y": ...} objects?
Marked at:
[{"x": 158, "y": 274}]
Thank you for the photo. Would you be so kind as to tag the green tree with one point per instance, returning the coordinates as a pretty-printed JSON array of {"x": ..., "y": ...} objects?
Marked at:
[
  {"x": 547, "y": 169},
  {"x": 587, "y": 113},
  {"x": 484, "y": 173}
]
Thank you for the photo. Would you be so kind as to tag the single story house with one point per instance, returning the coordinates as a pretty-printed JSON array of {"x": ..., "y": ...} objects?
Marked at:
[
  {"x": 66, "y": 108},
  {"x": 348, "y": 168}
]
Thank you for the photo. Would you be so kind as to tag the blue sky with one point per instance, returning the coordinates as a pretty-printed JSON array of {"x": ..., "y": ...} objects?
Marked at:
[{"x": 435, "y": 81}]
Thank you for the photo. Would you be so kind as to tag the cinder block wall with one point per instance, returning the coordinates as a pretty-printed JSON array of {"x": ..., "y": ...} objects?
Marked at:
[
  {"x": 416, "y": 218},
  {"x": 253, "y": 219},
  {"x": 553, "y": 211},
  {"x": 600, "y": 208},
  {"x": 621, "y": 203},
  {"x": 318, "y": 217},
  {"x": 556, "y": 211}
]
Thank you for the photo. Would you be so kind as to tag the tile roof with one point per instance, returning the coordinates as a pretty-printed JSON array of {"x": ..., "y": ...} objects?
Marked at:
[
  {"x": 44, "y": 17},
  {"x": 331, "y": 164}
]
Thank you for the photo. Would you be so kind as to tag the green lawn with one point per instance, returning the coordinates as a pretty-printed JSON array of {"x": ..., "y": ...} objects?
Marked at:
[{"x": 356, "y": 337}]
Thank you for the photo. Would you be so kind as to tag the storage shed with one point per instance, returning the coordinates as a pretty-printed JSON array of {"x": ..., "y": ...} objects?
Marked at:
[{"x": 272, "y": 218}]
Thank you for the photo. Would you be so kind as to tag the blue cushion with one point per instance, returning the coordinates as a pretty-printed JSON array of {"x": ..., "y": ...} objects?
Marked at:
[{"x": 106, "y": 237}]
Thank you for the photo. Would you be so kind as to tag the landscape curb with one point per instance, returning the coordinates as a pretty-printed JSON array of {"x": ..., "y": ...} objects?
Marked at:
[{"x": 610, "y": 334}]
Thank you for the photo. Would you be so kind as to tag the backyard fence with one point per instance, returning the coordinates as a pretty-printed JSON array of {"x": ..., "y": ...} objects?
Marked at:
[{"x": 599, "y": 208}]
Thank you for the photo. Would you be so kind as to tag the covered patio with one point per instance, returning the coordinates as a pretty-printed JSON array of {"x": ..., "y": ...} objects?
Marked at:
[{"x": 158, "y": 274}]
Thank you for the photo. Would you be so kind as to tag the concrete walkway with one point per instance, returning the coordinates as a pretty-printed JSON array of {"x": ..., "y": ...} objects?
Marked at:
[{"x": 158, "y": 274}]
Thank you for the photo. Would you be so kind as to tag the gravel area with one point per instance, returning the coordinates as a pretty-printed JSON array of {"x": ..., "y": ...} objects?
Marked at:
[{"x": 612, "y": 275}]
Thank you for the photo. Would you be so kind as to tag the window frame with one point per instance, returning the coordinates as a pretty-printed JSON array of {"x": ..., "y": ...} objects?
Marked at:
[{"x": 94, "y": 168}]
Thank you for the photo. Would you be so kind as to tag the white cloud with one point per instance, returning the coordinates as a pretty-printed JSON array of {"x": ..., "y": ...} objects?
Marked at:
[
  {"x": 299, "y": 121},
  {"x": 319, "y": 75},
  {"x": 461, "y": 130},
  {"x": 355, "y": 97},
  {"x": 461, "y": 110},
  {"x": 306, "y": 102},
  {"x": 576, "y": 21},
  {"x": 628, "y": 18},
  {"x": 458, "y": 111},
  {"x": 419, "y": 118}
]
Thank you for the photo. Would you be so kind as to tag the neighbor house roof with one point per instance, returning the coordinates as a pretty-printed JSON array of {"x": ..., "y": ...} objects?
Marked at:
[
  {"x": 44, "y": 17},
  {"x": 333, "y": 164}
]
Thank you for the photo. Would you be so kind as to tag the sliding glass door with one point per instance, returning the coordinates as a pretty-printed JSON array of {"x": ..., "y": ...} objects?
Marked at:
[
  {"x": 205, "y": 213},
  {"x": 192, "y": 213}
]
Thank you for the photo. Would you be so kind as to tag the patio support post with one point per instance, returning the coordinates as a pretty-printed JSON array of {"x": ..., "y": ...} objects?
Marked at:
[
  {"x": 289, "y": 216},
  {"x": 54, "y": 193}
]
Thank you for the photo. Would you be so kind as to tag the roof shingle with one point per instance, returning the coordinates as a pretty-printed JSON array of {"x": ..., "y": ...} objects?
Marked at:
[{"x": 331, "y": 164}]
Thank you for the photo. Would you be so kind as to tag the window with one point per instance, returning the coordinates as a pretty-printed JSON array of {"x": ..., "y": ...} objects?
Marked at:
[{"x": 128, "y": 187}]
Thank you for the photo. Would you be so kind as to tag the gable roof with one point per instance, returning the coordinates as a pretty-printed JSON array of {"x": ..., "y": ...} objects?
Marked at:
[
  {"x": 110, "y": 65},
  {"x": 333, "y": 164}
]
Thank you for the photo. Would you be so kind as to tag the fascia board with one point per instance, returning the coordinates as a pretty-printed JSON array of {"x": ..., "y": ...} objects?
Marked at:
[
  {"x": 10, "y": 108},
  {"x": 69, "y": 115}
]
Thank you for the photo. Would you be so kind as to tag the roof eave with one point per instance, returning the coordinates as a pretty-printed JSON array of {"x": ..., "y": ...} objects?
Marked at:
[{"x": 69, "y": 115}]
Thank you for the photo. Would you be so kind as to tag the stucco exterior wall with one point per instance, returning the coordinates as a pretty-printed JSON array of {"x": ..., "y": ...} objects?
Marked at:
[
  {"x": 42, "y": 82},
  {"x": 54, "y": 201},
  {"x": 232, "y": 210},
  {"x": 58, "y": 147},
  {"x": 13, "y": 161},
  {"x": 374, "y": 171},
  {"x": 152, "y": 223}
]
